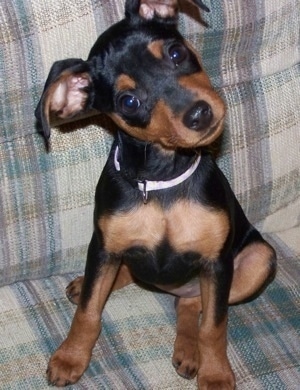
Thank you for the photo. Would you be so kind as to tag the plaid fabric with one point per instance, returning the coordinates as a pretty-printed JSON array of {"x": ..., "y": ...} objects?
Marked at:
[
  {"x": 136, "y": 345},
  {"x": 251, "y": 51},
  {"x": 47, "y": 199}
]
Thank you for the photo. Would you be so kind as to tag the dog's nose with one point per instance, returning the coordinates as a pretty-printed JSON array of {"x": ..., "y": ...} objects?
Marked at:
[{"x": 199, "y": 116}]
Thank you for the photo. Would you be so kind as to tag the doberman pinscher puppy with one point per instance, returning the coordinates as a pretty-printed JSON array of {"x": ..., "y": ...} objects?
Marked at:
[{"x": 164, "y": 213}]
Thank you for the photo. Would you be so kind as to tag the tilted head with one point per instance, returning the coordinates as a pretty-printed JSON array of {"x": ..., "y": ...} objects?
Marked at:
[{"x": 145, "y": 76}]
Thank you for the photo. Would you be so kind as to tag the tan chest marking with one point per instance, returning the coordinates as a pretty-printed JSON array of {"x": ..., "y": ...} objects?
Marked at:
[
  {"x": 142, "y": 226},
  {"x": 196, "y": 228},
  {"x": 188, "y": 226}
]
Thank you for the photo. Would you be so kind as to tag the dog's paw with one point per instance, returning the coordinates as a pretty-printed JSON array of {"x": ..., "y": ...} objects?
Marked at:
[
  {"x": 186, "y": 359},
  {"x": 73, "y": 290},
  {"x": 217, "y": 381},
  {"x": 216, "y": 384},
  {"x": 66, "y": 368}
]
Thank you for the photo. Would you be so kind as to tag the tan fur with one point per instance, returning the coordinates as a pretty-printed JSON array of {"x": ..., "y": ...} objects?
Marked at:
[
  {"x": 72, "y": 358},
  {"x": 199, "y": 84},
  {"x": 123, "y": 278},
  {"x": 162, "y": 128},
  {"x": 125, "y": 82},
  {"x": 194, "y": 227},
  {"x": 202, "y": 348},
  {"x": 167, "y": 129},
  {"x": 252, "y": 267},
  {"x": 186, "y": 353},
  {"x": 187, "y": 225},
  {"x": 143, "y": 226},
  {"x": 212, "y": 342},
  {"x": 156, "y": 49}
]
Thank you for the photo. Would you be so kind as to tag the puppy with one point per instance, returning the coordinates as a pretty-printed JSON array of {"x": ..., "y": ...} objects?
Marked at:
[{"x": 164, "y": 213}]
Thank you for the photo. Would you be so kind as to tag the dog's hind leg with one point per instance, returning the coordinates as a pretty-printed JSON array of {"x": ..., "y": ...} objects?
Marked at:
[
  {"x": 254, "y": 269},
  {"x": 73, "y": 290}
]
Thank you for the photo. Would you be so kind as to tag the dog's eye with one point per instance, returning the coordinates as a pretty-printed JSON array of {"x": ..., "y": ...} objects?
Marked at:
[
  {"x": 177, "y": 53},
  {"x": 128, "y": 104}
]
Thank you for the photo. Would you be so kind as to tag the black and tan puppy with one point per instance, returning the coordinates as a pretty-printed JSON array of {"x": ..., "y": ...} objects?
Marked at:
[{"x": 164, "y": 213}]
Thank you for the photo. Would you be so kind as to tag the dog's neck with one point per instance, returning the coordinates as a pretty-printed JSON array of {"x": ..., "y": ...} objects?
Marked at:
[{"x": 141, "y": 161}]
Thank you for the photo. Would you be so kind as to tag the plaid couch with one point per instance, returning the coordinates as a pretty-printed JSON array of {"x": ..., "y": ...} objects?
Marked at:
[{"x": 251, "y": 51}]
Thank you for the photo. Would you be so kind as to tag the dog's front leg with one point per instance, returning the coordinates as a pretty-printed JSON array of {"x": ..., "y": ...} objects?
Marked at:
[
  {"x": 186, "y": 355},
  {"x": 71, "y": 359},
  {"x": 214, "y": 368}
]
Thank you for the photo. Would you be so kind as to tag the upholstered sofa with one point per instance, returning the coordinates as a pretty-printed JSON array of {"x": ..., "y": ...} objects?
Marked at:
[{"x": 251, "y": 51}]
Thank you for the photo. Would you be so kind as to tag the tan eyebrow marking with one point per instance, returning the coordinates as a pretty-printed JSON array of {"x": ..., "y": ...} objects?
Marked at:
[
  {"x": 156, "y": 49},
  {"x": 125, "y": 82}
]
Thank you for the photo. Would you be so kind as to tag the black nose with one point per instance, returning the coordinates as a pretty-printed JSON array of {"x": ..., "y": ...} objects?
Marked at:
[{"x": 199, "y": 116}]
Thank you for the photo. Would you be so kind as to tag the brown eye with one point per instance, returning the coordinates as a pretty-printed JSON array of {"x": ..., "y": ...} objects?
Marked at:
[
  {"x": 177, "y": 53},
  {"x": 128, "y": 104}
]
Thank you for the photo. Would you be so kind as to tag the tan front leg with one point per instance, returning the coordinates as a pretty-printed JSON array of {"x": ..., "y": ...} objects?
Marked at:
[
  {"x": 73, "y": 356},
  {"x": 214, "y": 370},
  {"x": 186, "y": 353}
]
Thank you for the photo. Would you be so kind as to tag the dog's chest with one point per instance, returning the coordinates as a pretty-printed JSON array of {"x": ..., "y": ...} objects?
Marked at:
[{"x": 187, "y": 226}]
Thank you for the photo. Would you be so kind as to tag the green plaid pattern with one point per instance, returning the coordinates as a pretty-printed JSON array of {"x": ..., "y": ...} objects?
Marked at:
[
  {"x": 47, "y": 199},
  {"x": 135, "y": 348},
  {"x": 251, "y": 52}
]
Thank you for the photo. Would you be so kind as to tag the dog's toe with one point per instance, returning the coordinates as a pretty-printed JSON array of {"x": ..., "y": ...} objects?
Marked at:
[
  {"x": 65, "y": 368},
  {"x": 187, "y": 370},
  {"x": 73, "y": 290},
  {"x": 186, "y": 362}
]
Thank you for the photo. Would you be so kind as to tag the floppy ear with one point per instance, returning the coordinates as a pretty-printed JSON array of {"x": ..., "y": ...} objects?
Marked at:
[
  {"x": 67, "y": 92},
  {"x": 148, "y": 9}
]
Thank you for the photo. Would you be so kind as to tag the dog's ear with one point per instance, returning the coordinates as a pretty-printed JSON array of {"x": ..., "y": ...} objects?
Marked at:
[
  {"x": 149, "y": 9},
  {"x": 67, "y": 92}
]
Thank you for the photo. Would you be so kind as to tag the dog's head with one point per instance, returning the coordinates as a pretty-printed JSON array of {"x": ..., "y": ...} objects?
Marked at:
[{"x": 145, "y": 76}]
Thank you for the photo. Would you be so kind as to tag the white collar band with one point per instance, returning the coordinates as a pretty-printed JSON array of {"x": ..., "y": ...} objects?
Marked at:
[{"x": 148, "y": 185}]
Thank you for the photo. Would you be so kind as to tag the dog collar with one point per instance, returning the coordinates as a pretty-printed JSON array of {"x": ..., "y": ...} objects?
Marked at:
[{"x": 151, "y": 185}]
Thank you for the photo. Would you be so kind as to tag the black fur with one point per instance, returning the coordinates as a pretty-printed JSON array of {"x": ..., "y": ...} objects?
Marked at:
[{"x": 161, "y": 81}]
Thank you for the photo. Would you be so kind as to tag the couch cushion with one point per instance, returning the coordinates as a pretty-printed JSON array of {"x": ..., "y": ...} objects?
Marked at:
[
  {"x": 136, "y": 345},
  {"x": 47, "y": 198},
  {"x": 252, "y": 55}
]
